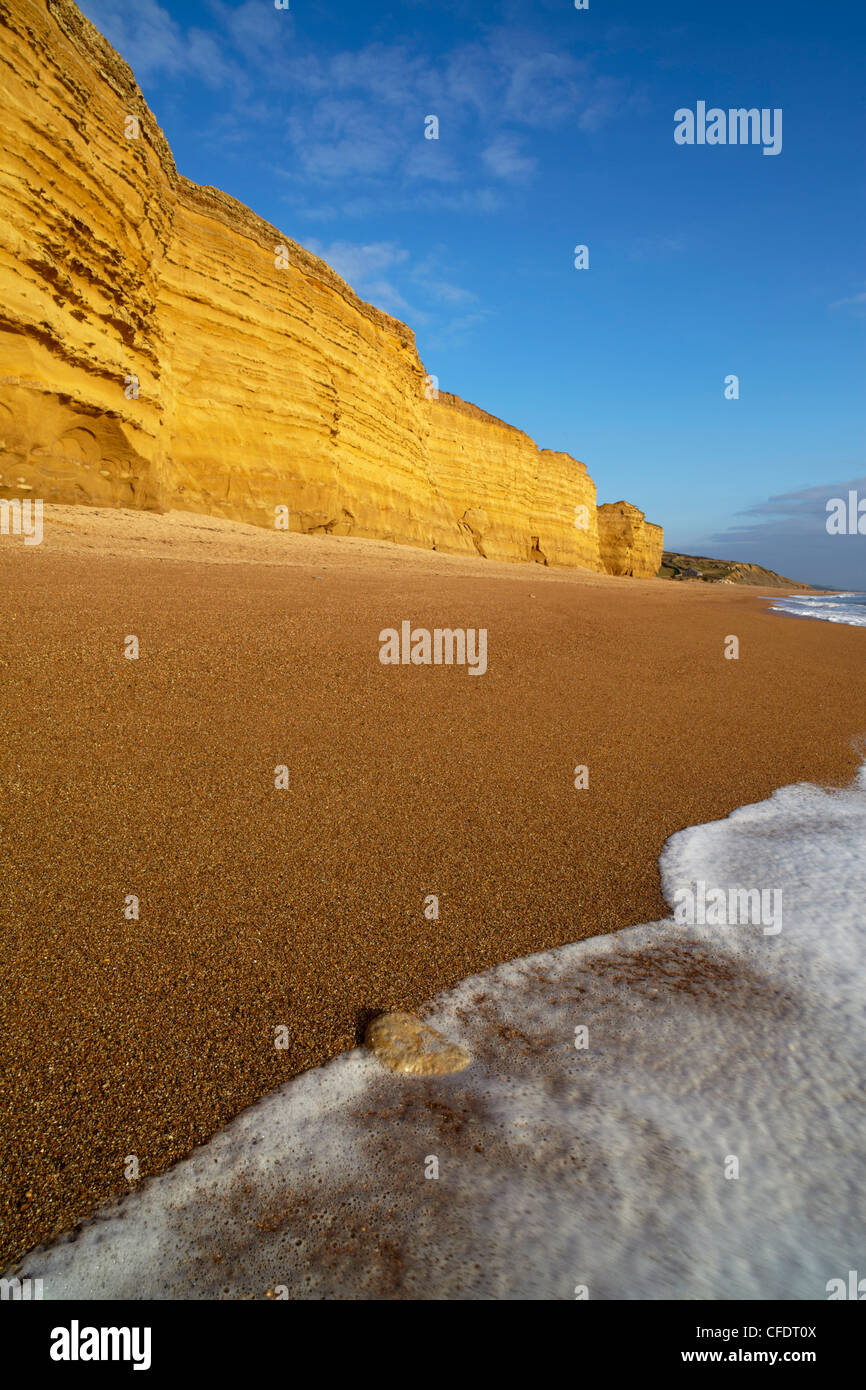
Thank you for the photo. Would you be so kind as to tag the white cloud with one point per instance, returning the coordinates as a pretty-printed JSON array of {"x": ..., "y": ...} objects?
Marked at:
[
  {"x": 358, "y": 263},
  {"x": 153, "y": 43},
  {"x": 384, "y": 273},
  {"x": 348, "y": 127},
  {"x": 855, "y": 299},
  {"x": 542, "y": 89},
  {"x": 449, "y": 294},
  {"x": 788, "y": 533},
  {"x": 504, "y": 158},
  {"x": 432, "y": 160},
  {"x": 385, "y": 295}
]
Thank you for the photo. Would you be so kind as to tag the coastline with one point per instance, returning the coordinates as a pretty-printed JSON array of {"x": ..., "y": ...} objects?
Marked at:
[
  {"x": 156, "y": 778},
  {"x": 666, "y": 1112}
]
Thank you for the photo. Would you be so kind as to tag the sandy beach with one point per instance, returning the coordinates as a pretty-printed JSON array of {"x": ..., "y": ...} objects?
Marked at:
[{"x": 304, "y": 907}]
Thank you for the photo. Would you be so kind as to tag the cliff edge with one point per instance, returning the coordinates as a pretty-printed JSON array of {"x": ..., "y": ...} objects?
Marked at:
[{"x": 163, "y": 347}]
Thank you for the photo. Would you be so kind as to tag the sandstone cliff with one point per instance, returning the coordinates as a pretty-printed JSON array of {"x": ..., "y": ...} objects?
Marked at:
[
  {"x": 161, "y": 346},
  {"x": 628, "y": 543}
]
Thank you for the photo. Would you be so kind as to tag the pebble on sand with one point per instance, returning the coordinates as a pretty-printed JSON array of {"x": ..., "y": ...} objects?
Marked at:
[{"x": 403, "y": 1043}]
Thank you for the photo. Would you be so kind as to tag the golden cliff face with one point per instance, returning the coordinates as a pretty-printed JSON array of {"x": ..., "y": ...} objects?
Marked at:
[
  {"x": 85, "y": 219},
  {"x": 512, "y": 500},
  {"x": 163, "y": 347},
  {"x": 628, "y": 543}
]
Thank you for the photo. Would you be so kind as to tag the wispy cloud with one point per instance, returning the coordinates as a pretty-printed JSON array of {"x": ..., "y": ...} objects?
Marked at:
[
  {"x": 857, "y": 301},
  {"x": 154, "y": 43},
  {"x": 364, "y": 266},
  {"x": 359, "y": 263},
  {"x": 788, "y": 533},
  {"x": 386, "y": 274},
  {"x": 348, "y": 127},
  {"x": 505, "y": 159},
  {"x": 360, "y": 206},
  {"x": 796, "y": 511}
]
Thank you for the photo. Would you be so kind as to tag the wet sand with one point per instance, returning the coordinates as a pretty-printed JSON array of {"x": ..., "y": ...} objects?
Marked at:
[{"x": 305, "y": 907}]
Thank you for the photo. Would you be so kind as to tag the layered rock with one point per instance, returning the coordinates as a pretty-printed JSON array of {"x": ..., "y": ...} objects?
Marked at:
[
  {"x": 161, "y": 346},
  {"x": 627, "y": 542},
  {"x": 85, "y": 219},
  {"x": 512, "y": 500}
]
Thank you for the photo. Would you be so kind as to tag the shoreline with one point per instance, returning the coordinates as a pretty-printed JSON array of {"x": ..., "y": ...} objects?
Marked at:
[
  {"x": 550, "y": 1150},
  {"x": 155, "y": 778}
]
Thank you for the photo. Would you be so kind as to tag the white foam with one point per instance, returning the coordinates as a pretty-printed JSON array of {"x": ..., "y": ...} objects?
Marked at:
[
  {"x": 561, "y": 1167},
  {"x": 849, "y": 607}
]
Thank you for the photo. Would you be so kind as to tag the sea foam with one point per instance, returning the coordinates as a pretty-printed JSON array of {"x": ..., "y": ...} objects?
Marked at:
[
  {"x": 848, "y": 607},
  {"x": 563, "y": 1171}
]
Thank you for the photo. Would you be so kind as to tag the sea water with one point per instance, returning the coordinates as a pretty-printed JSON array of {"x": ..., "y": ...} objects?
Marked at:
[
  {"x": 848, "y": 607},
  {"x": 670, "y": 1111}
]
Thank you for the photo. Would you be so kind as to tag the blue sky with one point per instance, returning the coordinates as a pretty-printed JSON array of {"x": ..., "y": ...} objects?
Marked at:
[{"x": 556, "y": 129}]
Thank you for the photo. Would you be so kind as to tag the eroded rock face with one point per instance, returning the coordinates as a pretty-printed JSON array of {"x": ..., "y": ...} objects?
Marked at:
[
  {"x": 628, "y": 543},
  {"x": 403, "y": 1043},
  {"x": 162, "y": 347},
  {"x": 517, "y": 491}
]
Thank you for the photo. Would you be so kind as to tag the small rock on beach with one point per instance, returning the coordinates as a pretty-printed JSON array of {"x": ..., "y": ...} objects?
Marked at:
[{"x": 403, "y": 1043}]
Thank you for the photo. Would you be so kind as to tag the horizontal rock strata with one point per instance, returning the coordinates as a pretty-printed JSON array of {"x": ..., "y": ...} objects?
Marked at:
[
  {"x": 163, "y": 347},
  {"x": 628, "y": 543}
]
